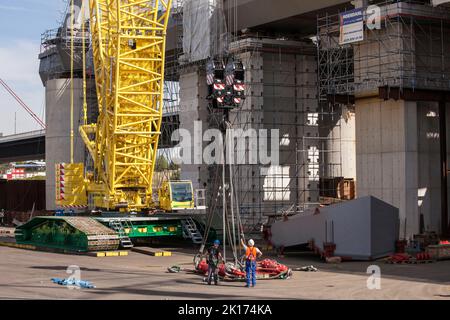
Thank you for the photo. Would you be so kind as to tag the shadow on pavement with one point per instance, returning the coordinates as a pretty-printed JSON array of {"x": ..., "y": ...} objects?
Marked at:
[{"x": 436, "y": 272}]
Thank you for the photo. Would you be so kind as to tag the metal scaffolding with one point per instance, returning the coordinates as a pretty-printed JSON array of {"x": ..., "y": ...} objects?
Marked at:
[
  {"x": 282, "y": 93},
  {"x": 409, "y": 51},
  {"x": 406, "y": 57},
  {"x": 282, "y": 90}
]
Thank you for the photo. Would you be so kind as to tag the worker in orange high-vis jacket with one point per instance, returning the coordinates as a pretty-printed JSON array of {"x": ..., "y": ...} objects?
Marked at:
[{"x": 251, "y": 254}]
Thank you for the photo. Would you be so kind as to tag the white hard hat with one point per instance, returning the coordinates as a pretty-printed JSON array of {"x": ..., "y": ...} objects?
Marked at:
[{"x": 251, "y": 243}]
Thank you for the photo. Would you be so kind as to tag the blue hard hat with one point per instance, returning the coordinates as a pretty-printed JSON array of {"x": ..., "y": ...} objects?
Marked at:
[{"x": 217, "y": 242}]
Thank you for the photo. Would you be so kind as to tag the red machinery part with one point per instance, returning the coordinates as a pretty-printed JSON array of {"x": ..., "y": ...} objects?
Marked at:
[
  {"x": 328, "y": 249},
  {"x": 423, "y": 256},
  {"x": 398, "y": 257},
  {"x": 265, "y": 267}
]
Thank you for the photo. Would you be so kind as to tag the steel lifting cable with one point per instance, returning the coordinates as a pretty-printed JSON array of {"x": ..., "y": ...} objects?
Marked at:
[
  {"x": 230, "y": 164},
  {"x": 72, "y": 88},
  {"x": 224, "y": 203},
  {"x": 230, "y": 269},
  {"x": 234, "y": 201},
  {"x": 239, "y": 221},
  {"x": 211, "y": 213},
  {"x": 232, "y": 17},
  {"x": 235, "y": 19},
  {"x": 225, "y": 219},
  {"x": 226, "y": 222},
  {"x": 238, "y": 212},
  {"x": 232, "y": 245},
  {"x": 214, "y": 199},
  {"x": 83, "y": 40}
]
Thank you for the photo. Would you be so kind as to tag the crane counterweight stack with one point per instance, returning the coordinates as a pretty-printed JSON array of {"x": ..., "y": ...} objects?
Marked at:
[{"x": 70, "y": 186}]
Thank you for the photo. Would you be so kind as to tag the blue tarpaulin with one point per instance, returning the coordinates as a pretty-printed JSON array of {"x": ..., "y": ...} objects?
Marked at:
[{"x": 73, "y": 282}]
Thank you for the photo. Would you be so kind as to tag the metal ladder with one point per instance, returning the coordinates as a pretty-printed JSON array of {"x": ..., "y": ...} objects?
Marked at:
[
  {"x": 124, "y": 239},
  {"x": 191, "y": 231}
]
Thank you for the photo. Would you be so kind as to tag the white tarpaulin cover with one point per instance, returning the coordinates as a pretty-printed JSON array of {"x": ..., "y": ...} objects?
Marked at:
[
  {"x": 362, "y": 229},
  {"x": 438, "y": 2},
  {"x": 203, "y": 29}
]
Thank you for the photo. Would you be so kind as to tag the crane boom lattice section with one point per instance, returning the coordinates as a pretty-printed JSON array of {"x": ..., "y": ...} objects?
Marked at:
[{"x": 128, "y": 40}]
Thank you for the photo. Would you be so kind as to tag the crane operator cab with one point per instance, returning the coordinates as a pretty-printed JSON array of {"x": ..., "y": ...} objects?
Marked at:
[{"x": 176, "y": 195}]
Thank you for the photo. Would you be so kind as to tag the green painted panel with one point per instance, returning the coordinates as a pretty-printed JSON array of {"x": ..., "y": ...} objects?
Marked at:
[{"x": 154, "y": 230}]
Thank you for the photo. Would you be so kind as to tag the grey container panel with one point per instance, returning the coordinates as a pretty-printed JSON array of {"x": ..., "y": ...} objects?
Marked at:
[
  {"x": 365, "y": 228},
  {"x": 385, "y": 228},
  {"x": 351, "y": 221}
]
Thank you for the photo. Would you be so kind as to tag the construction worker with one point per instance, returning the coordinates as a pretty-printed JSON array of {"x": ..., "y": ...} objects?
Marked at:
[
  {"x": 213, "y": 259},
  {"x": 251, "y": 254}
]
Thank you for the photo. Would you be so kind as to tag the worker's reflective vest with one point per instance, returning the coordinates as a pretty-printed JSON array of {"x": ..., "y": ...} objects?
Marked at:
[{"x": 251, "y": 253}]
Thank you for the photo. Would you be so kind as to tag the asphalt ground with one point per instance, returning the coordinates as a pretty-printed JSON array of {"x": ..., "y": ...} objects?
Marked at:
[{"x": 26, "y": 274}]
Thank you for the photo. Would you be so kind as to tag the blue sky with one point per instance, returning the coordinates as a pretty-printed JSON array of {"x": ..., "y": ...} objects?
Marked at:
[{"x": 22, "y": 22}]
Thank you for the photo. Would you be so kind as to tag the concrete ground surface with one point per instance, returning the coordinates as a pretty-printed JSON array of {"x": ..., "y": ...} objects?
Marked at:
[{"x": 26, "y": 275}]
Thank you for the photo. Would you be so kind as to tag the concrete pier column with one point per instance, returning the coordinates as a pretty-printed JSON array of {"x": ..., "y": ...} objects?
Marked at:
[
  {"x": 57, "y": 137},
  {"x": 194, "y": 107},
  {"x": 387, "y": 156}
]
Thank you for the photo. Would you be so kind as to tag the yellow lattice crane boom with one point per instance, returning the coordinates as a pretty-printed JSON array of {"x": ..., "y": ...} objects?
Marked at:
[{"x": 128, "y": 41}]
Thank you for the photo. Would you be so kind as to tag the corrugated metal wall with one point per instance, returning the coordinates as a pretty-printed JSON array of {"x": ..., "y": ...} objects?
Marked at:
[{"x": 20, "y": 195}]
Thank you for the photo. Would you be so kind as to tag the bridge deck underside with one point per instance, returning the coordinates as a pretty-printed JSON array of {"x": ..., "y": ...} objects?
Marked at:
[
  {"x": 22, "y": 150},
  {"x": 34, "y": 148}
]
